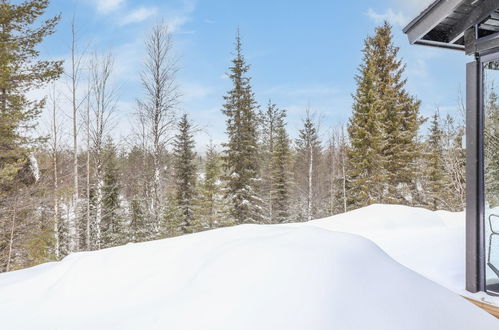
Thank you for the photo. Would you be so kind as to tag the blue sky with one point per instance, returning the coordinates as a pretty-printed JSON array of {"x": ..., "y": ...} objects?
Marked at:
[{"x": 302, "y": 53}]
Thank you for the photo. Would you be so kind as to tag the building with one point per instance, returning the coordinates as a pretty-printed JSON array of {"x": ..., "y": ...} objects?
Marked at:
[{"x": 472, "y": 26}]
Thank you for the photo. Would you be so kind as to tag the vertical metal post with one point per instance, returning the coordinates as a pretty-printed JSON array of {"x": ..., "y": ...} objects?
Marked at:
[{"x": 475, "y": 254}]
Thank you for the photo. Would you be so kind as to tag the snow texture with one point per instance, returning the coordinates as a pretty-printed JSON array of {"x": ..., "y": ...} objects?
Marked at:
[
  {"x": 430, "y": 243},
  {"x": 298, "y": 276}
]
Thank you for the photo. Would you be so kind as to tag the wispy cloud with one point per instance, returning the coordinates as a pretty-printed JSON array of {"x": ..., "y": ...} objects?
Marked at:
[
  {"x": 138, "y": 15},
  {"x": 394, "y": 17},
  {"x": 193, "y": 91},
  {"x": 107, "y": 6}
]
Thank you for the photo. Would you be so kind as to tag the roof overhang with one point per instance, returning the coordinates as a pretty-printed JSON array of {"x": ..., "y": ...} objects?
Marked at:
[{"x": 456, "y": 24}]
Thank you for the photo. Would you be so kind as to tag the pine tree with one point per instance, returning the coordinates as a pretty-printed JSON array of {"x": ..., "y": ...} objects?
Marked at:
[
  {"x": 20, "y": 73},
  {"x": 185, "y": 174},
  {"x": 241, "y": 152},
  {"x": 308, "y": 154},
  {"x": 436, "y": 173}
]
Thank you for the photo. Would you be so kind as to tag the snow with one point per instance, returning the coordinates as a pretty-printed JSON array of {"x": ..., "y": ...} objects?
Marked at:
[
  {"x": 33, "y": 164},
  {"x": 430, "y": 243},
  {"x": 313, "y": 275}
]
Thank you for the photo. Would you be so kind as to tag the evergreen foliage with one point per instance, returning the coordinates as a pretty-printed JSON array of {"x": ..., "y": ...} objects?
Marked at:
[
  {"x": 241, "y": 153},
  {"x": 491, "y": 146},
  {"x": 20, "y": 73},
  {"x": 212, "y": 205},
  {"x": 383, "y": 128},
  {"x": 185, "y": 174},
  {"x": 435, "y": 166},
  {"x": 112, "y": 219},
  {"x": 281, "y": 175},
  {"x": 274, "y": 163},
  {"x": 307, "y": 160}
]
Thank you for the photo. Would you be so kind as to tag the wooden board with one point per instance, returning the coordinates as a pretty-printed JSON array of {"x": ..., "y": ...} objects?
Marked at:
[{"x": 491, "y": 309}]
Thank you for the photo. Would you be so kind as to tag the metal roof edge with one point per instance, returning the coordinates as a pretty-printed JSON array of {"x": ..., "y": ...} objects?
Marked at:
[{"x": 421, "y": 15}]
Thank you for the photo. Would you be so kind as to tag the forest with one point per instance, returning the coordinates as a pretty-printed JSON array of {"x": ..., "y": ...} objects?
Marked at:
[{"x": 90, "y": 192}]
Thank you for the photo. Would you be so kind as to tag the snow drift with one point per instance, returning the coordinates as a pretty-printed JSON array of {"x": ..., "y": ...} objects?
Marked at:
[{"x": 245, "y": 277}]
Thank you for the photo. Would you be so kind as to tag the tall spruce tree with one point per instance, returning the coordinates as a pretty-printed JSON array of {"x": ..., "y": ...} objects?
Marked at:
[
  {"x": 365, "y": 169},
  {"x": 185, "y": 173},
  {"x": 20, "y": 73},
  {"x": 241, "y": 152},
  {"x": 400, "y": 117},
  {"x": 384, "y": 126}
]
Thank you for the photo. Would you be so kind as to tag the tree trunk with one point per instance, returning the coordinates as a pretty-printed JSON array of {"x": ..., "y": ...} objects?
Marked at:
[{"x": 11, "y": 236}]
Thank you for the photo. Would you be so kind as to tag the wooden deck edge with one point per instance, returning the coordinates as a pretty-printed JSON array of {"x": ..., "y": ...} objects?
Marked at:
[{"x": 491, "y": 309}]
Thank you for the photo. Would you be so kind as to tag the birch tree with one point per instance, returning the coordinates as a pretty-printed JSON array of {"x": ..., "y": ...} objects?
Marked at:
[
  {"x": 103, "y": 103},
  {"x": 157, "y": 109},
  {"x": 74, "y": 76}
]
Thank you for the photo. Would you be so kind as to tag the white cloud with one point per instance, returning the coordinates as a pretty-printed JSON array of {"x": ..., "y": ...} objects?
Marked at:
[
  {"x": 107, "y": 6},
  {"x": 192, "y": 91},
  {"x": 138, "y": 15},
  {"x": 395, "y": 18}
]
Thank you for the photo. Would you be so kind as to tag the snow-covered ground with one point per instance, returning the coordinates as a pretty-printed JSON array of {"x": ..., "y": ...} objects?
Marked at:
[
  {"x": 314, "y": 275},
  {"x": 430, "y": 243}
]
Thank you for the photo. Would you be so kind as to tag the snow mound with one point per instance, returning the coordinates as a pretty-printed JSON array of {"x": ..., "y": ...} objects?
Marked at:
[
  {"x": 245, "y": 277},
  {"x": 430, "y": 243}
]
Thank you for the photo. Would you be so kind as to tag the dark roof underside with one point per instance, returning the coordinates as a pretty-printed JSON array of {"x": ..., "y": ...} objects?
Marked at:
[{"x": 443, "y": 23}]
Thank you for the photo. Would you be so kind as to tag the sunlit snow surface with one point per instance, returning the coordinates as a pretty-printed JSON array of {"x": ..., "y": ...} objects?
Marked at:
[{"x": 299, "y": 276}]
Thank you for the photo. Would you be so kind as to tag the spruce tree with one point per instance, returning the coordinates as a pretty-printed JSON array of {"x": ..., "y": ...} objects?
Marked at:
[
  {"x": 435, "y": 167},
  {"x": 269, "y": 121},
  {"x": 491, "y": 146},
  {"x": 20, "y": 73},
  {"x": 112, "y": 220},
  {"x": 365, "y": 169},
  {"x": 281, "y": 180},
  {"x": 384, "y": 126},
  {"x": 185, "y": 173},
  {"x": 400, "y": 118},
  {"x": 308, "y": 154},
  {"x": 212, "y": 208},
  {"x": 241, "y": 152},
  {"x": 137, "y": 229}
]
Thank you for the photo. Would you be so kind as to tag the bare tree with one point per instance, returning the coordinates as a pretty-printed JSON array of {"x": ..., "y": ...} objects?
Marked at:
[
  {"x": 102, "y": 104},
  {"x": 157, "y": 110},
  {"x": 74, "y": 75},
  {"x": 55, "y": 136}
]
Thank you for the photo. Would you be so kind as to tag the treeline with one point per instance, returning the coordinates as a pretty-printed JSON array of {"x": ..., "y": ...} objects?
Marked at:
[{"x": 91, "y": 193}]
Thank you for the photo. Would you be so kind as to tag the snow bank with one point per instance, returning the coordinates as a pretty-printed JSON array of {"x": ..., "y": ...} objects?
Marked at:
[
  {"x": 430, "y": 243},
  {"x": 246, "y": 277}
]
